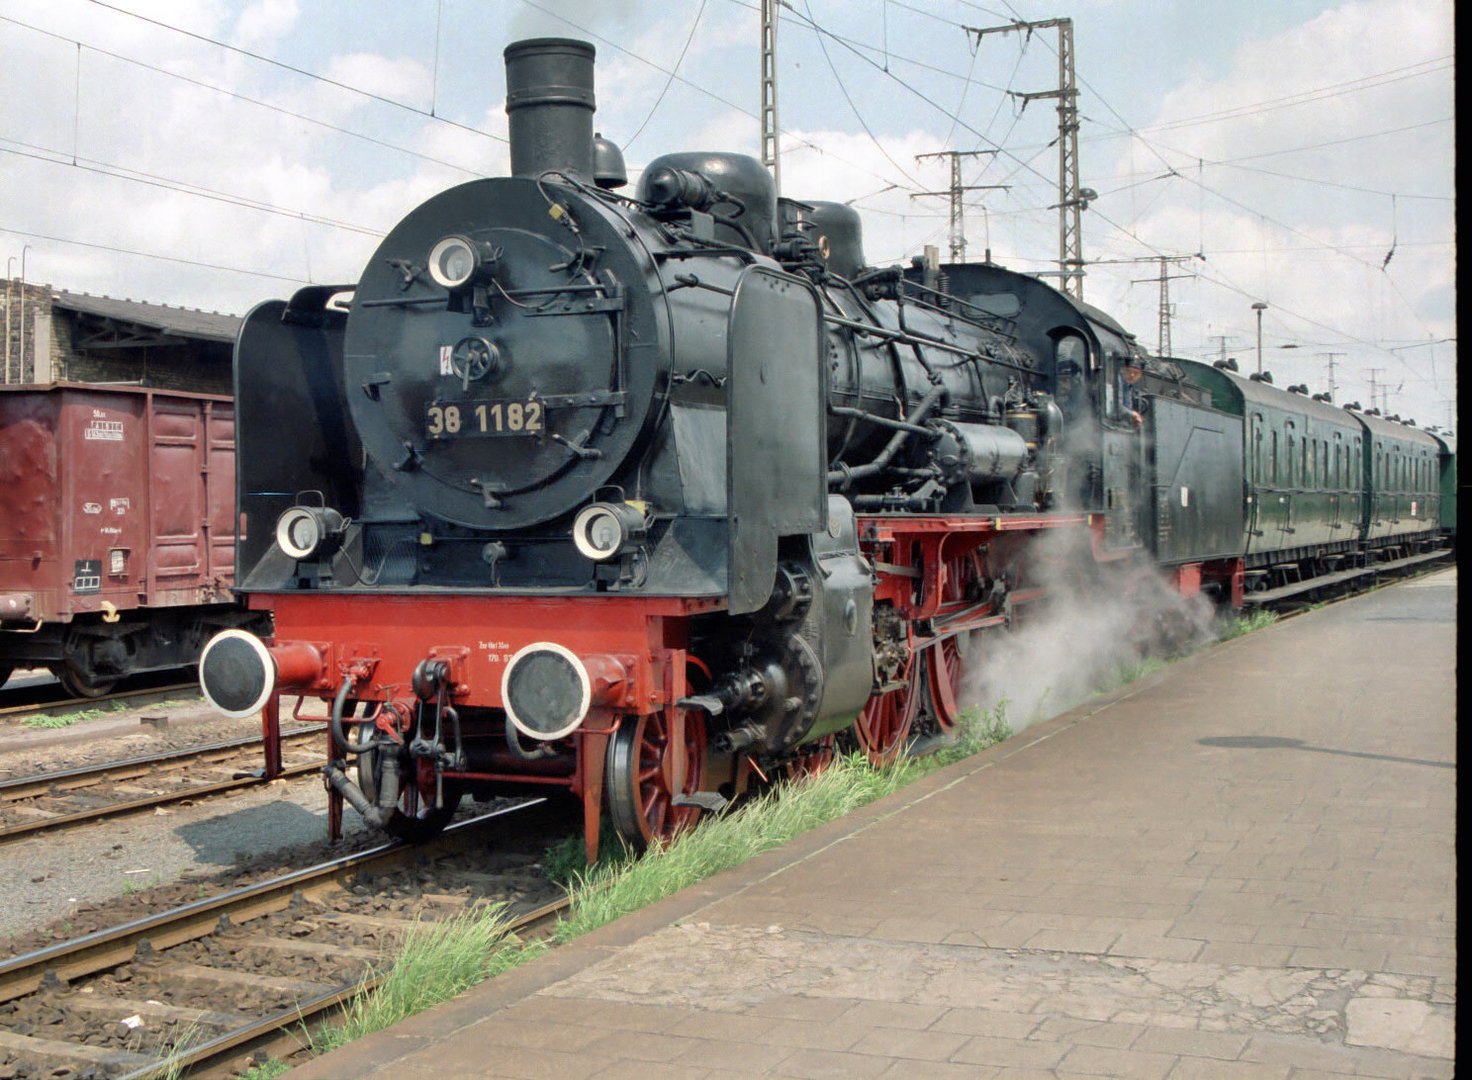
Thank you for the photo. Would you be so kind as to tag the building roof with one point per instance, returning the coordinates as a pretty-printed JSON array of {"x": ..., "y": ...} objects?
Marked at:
[{"x": 177, "y": 322}]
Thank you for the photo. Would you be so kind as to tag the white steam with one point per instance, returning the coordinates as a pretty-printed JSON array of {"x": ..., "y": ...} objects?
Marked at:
[{"x": 1084, "y": 637}]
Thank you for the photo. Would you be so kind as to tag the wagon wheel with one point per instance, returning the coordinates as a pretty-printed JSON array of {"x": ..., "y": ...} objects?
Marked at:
[
  {"x": 643, "y": 775},
  {"x": 813, "y": 758},
  {"x": 417, "y": 818},
  {"x": 79, "y": 682},
  {"x": 884, "y": 723}
]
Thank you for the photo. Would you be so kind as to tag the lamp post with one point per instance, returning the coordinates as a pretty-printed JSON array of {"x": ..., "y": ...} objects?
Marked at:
[
  {"x": 9, "y": 262},
  {"x": 20, "y": 374},
  {"x": 1259, "y": 307}
]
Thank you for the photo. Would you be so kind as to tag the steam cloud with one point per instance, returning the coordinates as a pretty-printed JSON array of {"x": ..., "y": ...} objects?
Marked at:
[{"x": 1079, "y": 639}]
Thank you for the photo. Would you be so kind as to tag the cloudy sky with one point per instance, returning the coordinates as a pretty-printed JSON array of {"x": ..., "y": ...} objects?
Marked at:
[{"x": 1297, "y": 153}]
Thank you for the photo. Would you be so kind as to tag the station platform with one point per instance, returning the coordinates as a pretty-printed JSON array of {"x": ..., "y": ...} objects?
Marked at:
[{"x": 1242, "y": 866}]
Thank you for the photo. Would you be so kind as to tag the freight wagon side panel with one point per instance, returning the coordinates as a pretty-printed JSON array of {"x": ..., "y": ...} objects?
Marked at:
[
  {"x": 182, "y": 458},
  {"x": 102, "y": 455},
  {"x": 30, "y": 507}
]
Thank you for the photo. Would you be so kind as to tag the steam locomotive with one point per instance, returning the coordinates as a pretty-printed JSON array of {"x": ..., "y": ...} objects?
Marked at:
[{"x": 638, "y": 497}]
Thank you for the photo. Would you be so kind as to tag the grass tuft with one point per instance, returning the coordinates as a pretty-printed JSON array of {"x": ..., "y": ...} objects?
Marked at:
[
  {"x": 435, "y": 961},
  {"x": 1128, "y": 673},
  {"x": 1246, "y": 624},
  {"x": 52, "y": 722},
  {"x": 265, "y": 1070},
  {"x": 96, "y": 712},
  {"x": 76, "y": 716}
]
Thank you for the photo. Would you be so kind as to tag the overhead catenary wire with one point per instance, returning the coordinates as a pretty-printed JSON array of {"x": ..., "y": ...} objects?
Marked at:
[
  {"x": 795, "y": 137},
  {"x": 118, "y": 172},
  {"x": 855, "y": 109},
  {"x": 147, "y": 254},
  {"x": 1173, "y": 172},
  {"x": 282, "y": 65},
  {"x": 674, "y": 71},
  {"x": 217, "y": 89}
]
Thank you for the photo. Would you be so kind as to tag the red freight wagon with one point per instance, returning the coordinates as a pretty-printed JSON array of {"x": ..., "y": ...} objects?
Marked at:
[{"x": 117, "y": 529}]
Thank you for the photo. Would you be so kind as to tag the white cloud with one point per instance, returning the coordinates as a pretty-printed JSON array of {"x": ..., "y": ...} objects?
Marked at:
[{"x": 264, "y": 21}]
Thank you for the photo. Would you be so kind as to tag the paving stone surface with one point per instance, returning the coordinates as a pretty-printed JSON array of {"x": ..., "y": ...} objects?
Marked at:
[{"x": 1244, "y": 866}]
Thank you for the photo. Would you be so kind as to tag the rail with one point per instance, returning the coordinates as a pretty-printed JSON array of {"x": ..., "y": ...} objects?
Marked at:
[
  {"x": 17, "y": 796},
  {"x": 146, "y": 940}
]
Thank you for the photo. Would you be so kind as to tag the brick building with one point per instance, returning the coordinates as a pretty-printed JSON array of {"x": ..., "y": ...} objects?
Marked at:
[{"x": 56, "y": 336}]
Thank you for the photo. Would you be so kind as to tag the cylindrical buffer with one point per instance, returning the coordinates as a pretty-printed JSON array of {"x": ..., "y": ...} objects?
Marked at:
[{"x": 238, "y": 673}]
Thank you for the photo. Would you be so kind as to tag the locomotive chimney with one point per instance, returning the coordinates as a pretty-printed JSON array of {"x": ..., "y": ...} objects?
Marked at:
[{"x": 549, "y": 102}]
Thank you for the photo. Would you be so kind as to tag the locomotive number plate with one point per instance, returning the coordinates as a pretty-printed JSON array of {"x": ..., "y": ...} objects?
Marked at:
[{"x": 476, "y": 418}]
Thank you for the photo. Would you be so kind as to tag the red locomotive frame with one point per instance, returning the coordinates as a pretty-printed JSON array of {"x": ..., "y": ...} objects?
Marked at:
[{"x": 928, "y": 569}]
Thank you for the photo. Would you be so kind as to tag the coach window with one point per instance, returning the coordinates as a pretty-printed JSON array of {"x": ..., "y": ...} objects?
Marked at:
[
  {"x": 1273, "y": 460},
  {"x": 1255, "y": 459}
]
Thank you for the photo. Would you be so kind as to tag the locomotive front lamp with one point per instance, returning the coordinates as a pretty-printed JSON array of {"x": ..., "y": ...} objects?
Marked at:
[
  {"x": 304, "y": 531},
  {"x": 456, "y": 261},
  {"x": 603, "y": 530}
]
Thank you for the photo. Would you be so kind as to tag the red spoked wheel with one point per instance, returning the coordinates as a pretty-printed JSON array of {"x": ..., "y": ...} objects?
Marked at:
[
  {"x": 645, "y": 771},
  {"x": 813, "y": 758},
  {"x": 944, "y": 667},
  {"x": 944, "y": 660},
  {"x": 885, "y": 722}
]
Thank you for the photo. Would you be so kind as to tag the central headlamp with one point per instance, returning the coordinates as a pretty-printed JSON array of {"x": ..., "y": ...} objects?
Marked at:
[
  {"x": 457, "y": 260},
  {"x": 305, "y": 531},
  {"x": 603, "y": 530}
]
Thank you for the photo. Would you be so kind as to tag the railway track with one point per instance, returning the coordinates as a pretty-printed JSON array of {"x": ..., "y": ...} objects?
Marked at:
[
  {"x": 20, "y": 702},
  {"x": 191, "y": 987},
  {"x": 55, "y": 800}
]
